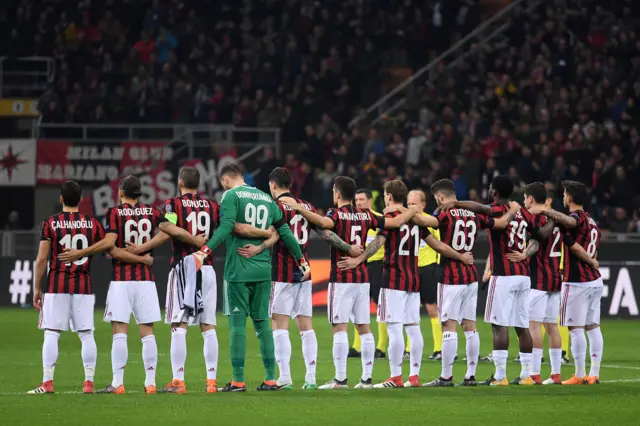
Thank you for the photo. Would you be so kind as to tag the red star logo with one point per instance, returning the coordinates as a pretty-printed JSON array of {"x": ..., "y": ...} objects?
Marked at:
[{"x": 10, "y": 162}]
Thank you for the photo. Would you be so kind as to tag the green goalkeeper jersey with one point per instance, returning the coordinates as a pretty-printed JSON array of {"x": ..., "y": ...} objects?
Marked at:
[{"x": 248, "y": 205}]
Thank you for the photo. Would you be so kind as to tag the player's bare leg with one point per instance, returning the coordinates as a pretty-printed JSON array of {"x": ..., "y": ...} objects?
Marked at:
[
  {"x": 119, "y": 356},
  {"x": 596, "y": 347},
  {"x": 526, "y": 348},
  {"x": 579, "y": 351},
  {"x": 89, "y": 358},
  {"x": 449, "y": 350},
  {"x": 149, "y": 356},
  {"x": 472, "y": 338},
  {"x": 178, "y": 353},
  {"x": 309, "y": 350},
  {"x": 436, "y": 331},
  {"x": 282, "y": 343},
  {"x": 49, "y": 359},
  {"x": 368, "y": 355},
  {"x": 210, "y": 350},
  {"x": 395, "y": 351},
  {"x": 414, "y": 334},
  {"x": 555, "y": 352}
]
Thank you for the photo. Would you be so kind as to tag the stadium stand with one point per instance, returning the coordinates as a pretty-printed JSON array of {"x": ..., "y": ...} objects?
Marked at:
[{"x": 555, "y": 97}]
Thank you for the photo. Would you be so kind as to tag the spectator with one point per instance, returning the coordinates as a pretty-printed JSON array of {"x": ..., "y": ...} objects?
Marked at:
[{"x": 13, "y": 222}]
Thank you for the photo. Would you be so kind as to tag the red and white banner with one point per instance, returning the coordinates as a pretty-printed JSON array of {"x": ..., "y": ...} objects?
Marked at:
[
  {"x": 85, "y": 162},
  {"x": 17, "y": 162},
  {"x": 158, "y": 185}
]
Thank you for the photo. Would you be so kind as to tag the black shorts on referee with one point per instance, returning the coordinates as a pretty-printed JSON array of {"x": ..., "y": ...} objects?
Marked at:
[
  {"x": 429, "y": 278},
  {"x": 375, "y": 279}
]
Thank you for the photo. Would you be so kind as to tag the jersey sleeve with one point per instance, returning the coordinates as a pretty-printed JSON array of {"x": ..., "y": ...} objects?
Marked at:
[
  {"x": 215, "y": 214},
  {"x": 568, "y": 239},
  {"x": 228, "y": 213},
  {"x": 378, "y": 222},
  {"x": 538, "y": 222},
  {"x": 424, "y": 233},
  {"x": 498, "y": 210},
  {"x": 158, "y": 217},
  {"x": 99, "y": 229},
  {"x": 485, "y": 222},
  {"x": 111, "y": 222},
  {"x": 170, "y": 211},
  {"x": 278, "y": 217},
  {"x": 578, "y": 217},
  {"x": 333, "y": 215},
  {"x": 46, "y": 234},
  {"x": 381, "y": 231}
]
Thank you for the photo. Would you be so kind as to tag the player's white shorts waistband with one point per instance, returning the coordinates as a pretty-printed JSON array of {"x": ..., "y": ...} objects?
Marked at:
[{"x": 349, "y": 302}]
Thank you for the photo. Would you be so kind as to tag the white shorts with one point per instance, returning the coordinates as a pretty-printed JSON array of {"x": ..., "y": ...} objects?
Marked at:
[
  {"x": 580, "y": 304},
  {"x": 457, "y": 302},
  {"x": 348, "y": 302},
  {"x": 61, "y": 311},
  {"x": 544, "y": 306},
  {"x": 173, "y": 314},
  {"x": 139, "y": 298},
  {"x": 292, "y": 299},
  {"x": 508, "y": 301},
  {"x": 398, "y": 306}
]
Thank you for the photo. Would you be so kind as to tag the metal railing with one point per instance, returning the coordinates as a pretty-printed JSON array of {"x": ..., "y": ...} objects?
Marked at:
[
  {"x": 381, "y": 106},
  {"x": 28, "y": 76}
]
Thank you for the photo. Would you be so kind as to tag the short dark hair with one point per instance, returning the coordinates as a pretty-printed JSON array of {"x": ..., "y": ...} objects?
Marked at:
[
  {"x": 71, "y": 193},
  {"x": 231, "y": 170},
  {"x": 190, "y": 177},
  {"x": 397, "y": 189},
  {"x": 551, "y": 193},
  {"x": 537, "y": 191},
  {"x": 367, "y": 193},
  {"x": 346, "y": 187},
  {"x": 281, "y": 177},
  {"x": 445, "y": 186},
  {"x": 131, "y": 186},
  {"x": 503, "y": 186},
  {"x": 577, "y": 191}
]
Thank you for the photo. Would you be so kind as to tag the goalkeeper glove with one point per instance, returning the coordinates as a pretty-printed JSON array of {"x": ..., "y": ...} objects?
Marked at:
[
  {"x": 201, "y": 255},
  {"x": 305, "y": 269}
]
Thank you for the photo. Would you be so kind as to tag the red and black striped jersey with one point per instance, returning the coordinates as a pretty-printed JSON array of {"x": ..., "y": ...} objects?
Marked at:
[
  {"x": 512, "y": 239},
  {"x": 132, "y": 223},
  {"x": 401, "y": 256},
  {"x": 545, "y": 265},
  {"x": 459, "y": 230},
  {"x": 587, "y": 234},
  {"x": 195, "y": 214},
  {"x": 351, "y": 224},
  {"x": 285, "y": 265},
  {"x": 70, "y": 230}
]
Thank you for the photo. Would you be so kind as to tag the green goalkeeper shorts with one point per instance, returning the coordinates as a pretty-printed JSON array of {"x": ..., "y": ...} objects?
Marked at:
[{"x": 251, "y": 299}]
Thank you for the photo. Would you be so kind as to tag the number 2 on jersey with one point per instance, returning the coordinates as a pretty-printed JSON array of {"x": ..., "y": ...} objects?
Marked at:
[
  {"x": 555, "y": 247},
  {"x": 77, "y": 242},
  {"x": 413, "y": 232}
]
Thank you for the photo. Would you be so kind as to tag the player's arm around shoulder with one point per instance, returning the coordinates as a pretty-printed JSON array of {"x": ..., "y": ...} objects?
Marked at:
[
  {"x": 399, "y": 220},
  {"x": 372, "y": 248},
  {"x": 425, "y": 220},
  {"x": 503, "y": 221},
  {"x": 446, "y": 251}
]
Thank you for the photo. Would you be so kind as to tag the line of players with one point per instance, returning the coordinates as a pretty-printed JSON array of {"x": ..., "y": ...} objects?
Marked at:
[{"x": 71, "y": 237}]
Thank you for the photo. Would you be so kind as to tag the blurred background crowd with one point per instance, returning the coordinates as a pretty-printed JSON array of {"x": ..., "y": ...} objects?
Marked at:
[{"x": 555, "y": 97}]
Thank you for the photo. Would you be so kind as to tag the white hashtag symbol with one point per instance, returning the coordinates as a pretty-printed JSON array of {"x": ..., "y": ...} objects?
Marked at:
[{"x": 20, "y": 277}]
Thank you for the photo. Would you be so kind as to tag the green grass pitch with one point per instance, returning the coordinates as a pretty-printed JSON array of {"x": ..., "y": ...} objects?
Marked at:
[{"x": 615, "y": 401}]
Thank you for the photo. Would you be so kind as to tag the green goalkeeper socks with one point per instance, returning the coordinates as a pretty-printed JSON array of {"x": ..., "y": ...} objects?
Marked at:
[
  {"x": 238, "y": 338},
  {"x": 267, "y": 350}
]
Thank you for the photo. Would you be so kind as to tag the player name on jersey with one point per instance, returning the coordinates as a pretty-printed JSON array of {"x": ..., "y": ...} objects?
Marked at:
[
  {"x": 201, "y": 204},
  {"x": 138, "y": 211},
  {"x": 462, "y": 213},
  {"x": 71, "y": 224},
  {"x": 354, "y": 216},
  {"x": 254, "y": 196}
]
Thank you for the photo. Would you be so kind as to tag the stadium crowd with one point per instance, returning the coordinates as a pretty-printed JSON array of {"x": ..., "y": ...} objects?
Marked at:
[{"x": 555, "y": 98}]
